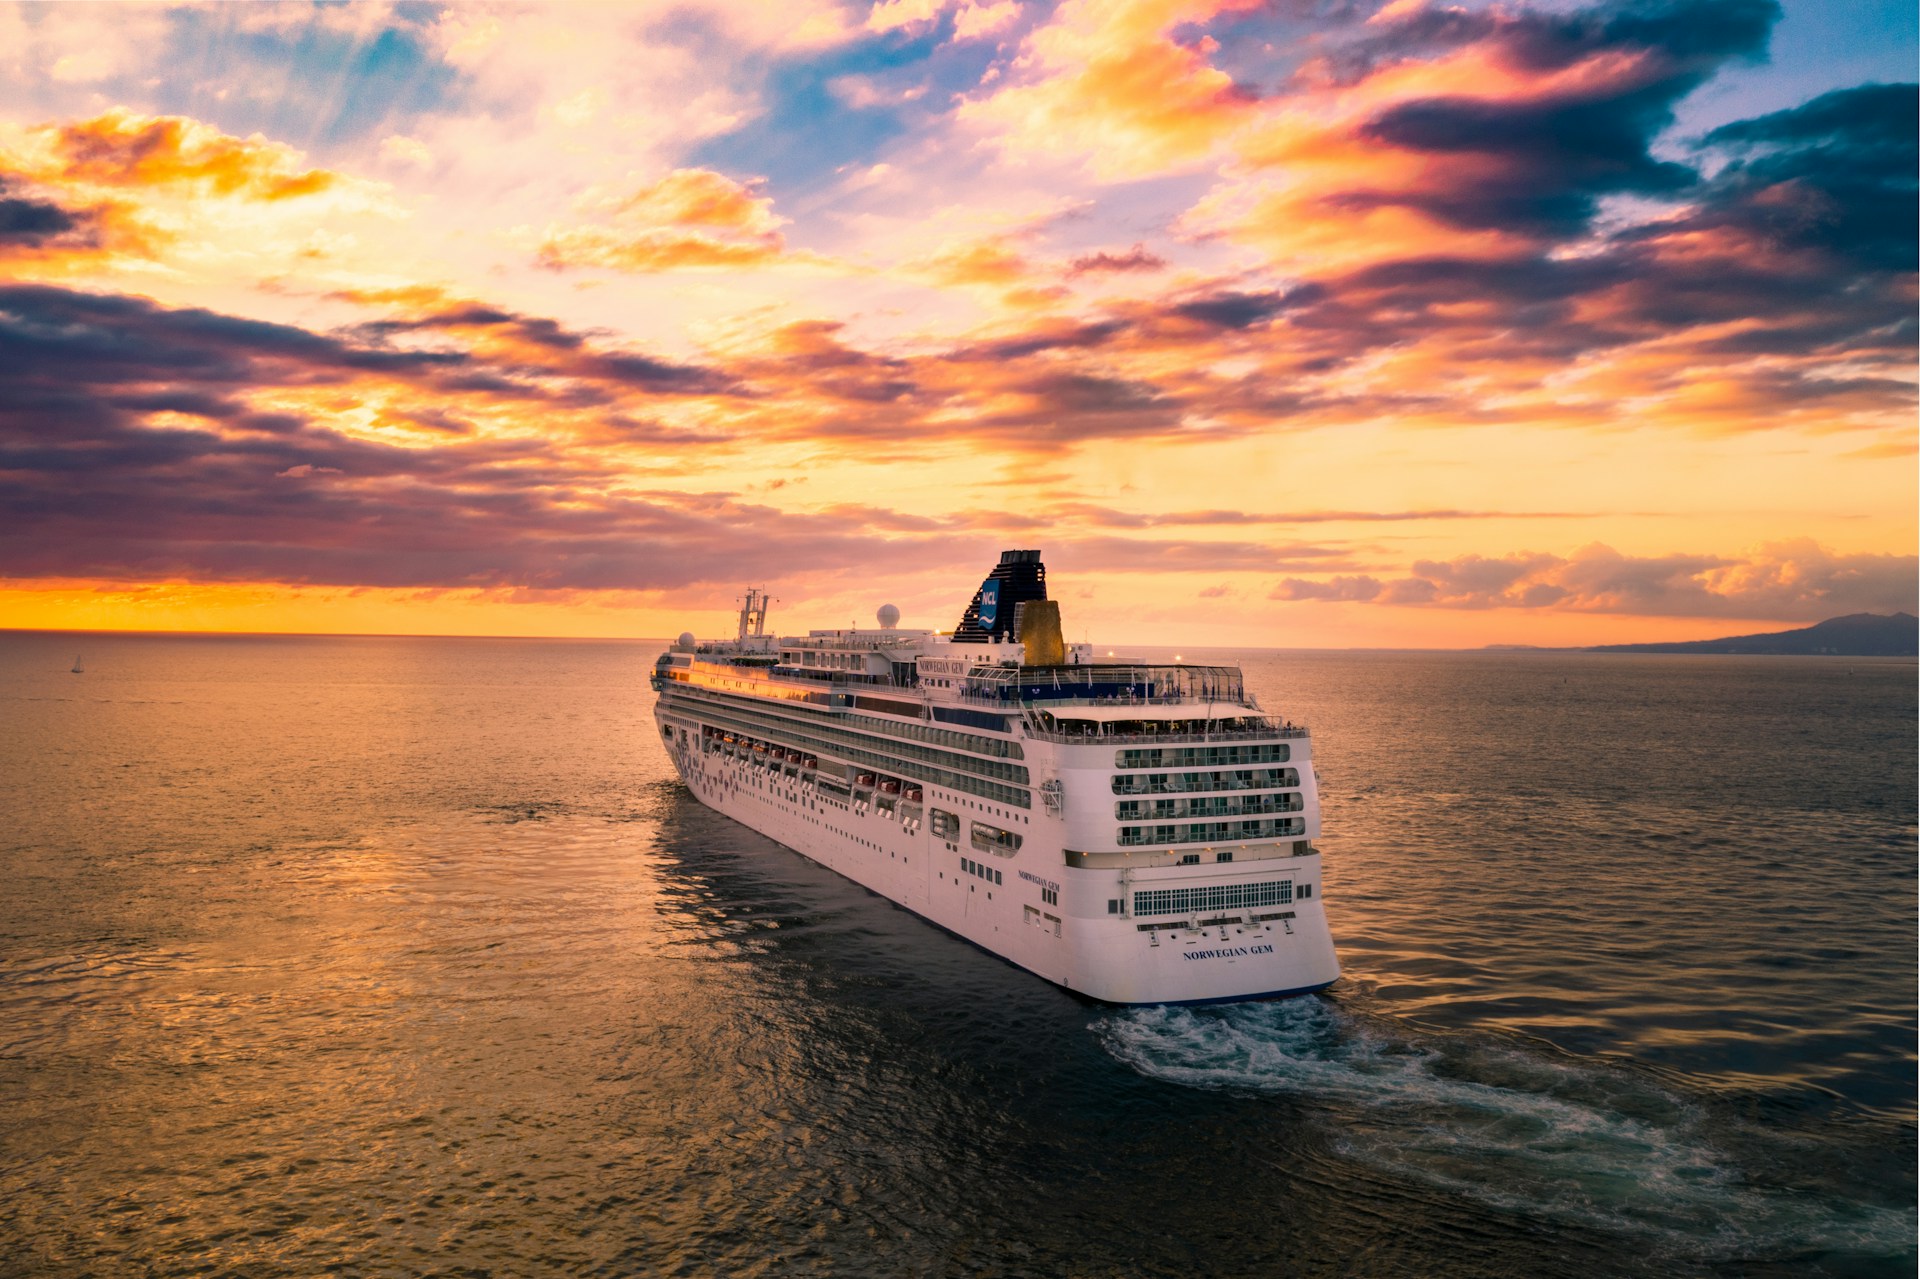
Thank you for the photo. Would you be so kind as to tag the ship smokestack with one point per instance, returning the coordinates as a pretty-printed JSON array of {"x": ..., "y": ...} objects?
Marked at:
[{"x": 1038, "y": 624}]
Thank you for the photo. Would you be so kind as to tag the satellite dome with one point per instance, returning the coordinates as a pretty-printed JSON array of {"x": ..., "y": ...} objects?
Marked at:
[
  {"x": 685, "y": 640},
  {"x": 889, "y": 617}
]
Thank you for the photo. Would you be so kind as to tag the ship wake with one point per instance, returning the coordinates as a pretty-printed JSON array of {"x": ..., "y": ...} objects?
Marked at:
[{"x": 1520, "y": 1129}]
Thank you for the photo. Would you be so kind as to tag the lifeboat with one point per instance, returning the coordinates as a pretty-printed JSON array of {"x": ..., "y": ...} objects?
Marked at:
[
  {"x": 915, "y": 794},
  {"x": 864, "y": 779},
  {"x": 810, "y": 763},
  {"x": 890, "y": 787}
]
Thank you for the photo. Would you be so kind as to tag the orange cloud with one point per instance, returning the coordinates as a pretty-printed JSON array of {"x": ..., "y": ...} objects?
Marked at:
[
  {"x": 689, "y": 218},
  {"x": 701, "y": 197},
  {"x": 123, "y": 149},
  {"x": 1108, "y": 81}
]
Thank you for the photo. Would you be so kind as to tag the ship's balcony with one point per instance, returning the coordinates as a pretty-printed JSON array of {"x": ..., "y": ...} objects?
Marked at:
[
  {"x": 1163, "y": 810},
  {"x": 1155, "y": 732},
  {"x": 1210, "y": 832},
  {"x": 1188, "y": 783}
]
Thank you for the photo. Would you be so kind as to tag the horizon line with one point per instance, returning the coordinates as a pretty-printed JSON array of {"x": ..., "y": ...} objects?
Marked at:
[{"x": 668, "y": 639}]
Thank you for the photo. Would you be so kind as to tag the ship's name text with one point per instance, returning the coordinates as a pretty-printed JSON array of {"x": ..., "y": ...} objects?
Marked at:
[{"x": 1228, "y": 952}]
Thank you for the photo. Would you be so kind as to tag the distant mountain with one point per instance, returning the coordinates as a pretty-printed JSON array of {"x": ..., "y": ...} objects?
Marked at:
[{"x": 1856, "y": 635}]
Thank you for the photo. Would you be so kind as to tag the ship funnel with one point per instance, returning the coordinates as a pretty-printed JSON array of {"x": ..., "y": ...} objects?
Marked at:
[
  {"x": 1019, "y": 578},
  {"x": 1038, "y": 624}
]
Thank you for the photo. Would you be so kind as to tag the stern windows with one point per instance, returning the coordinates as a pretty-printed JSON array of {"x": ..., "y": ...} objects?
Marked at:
[{"x": 1187, "y": 901}]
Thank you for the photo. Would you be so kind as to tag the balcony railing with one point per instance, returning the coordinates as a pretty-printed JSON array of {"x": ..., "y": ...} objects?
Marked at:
[
  {"x": 1130, "y": 838},
  {"x": 1109, "y": 736},
  {"x": 1204, "y": 783},
  {"x": 1128, "y": 810}
]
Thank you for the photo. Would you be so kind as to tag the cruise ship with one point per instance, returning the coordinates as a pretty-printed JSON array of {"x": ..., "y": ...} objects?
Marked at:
[{"x": 1136, "y": 832}]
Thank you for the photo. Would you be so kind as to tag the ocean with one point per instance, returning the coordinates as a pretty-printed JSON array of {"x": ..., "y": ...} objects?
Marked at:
[{"x": 369, "y": 956}]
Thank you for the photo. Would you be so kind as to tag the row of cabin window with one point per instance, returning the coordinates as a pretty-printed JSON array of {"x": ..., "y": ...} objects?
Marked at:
[
  {"x": 1221, "y": 807},
  {"x": 986, "y": 790},
  {"x": 1000, "y": 747},
  {"x": 1179, "y": 783},
  {"x": 1158, "y": 756},
  {"x": 1210, "y": 832},
  {"x": 823, "y": 728},
  {"x": 823, "y": 740}
]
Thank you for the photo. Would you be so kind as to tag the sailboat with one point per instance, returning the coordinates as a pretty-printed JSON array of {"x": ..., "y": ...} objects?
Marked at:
[{"x": 77, "y": 668}]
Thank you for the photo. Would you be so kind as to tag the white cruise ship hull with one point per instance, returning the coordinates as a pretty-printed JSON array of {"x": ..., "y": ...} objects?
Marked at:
[{"x": 1076, "y": 926}]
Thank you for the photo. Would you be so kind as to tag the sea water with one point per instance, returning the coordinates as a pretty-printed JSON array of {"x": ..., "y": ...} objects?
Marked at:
[{"x": 395, "y": 956}]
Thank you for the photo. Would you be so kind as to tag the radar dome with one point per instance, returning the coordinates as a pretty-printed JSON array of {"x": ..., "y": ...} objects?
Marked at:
[
  {"x": 685, "y": 640},
  {"x": 889, "y": 617}
]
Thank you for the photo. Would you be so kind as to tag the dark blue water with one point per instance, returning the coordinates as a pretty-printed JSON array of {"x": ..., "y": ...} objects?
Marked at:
[{"x": 408, "y": 956}]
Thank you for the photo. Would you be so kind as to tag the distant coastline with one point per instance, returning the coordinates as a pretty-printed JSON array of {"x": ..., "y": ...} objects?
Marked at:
[{"x": 1855, "y": 635}]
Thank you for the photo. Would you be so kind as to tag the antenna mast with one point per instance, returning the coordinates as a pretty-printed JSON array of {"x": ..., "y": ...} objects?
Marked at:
[{"x": 753, "y": 613}]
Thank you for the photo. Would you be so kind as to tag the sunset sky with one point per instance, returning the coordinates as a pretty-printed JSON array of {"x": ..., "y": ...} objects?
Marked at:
[{"x": 1296, "y": 323}]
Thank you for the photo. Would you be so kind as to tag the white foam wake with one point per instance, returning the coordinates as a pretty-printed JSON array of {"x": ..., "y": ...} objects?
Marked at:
[{"x": 1520, "y": 1129}]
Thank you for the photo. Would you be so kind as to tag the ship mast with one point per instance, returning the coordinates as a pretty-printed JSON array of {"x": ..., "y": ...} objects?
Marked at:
[{"x": 753, "y": 613}]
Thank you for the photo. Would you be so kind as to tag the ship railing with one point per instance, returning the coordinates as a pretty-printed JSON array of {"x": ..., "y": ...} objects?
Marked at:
[
  {"x": 1154, "y": 738},
  {"x": 1212, "y": 788},
  {"x": 1257, "y": 809},
  {"x": 1282, "y": 830}
]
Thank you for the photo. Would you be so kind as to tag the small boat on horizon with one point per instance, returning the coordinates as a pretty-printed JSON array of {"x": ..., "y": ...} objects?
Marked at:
[{"x": 77, "y": 668}]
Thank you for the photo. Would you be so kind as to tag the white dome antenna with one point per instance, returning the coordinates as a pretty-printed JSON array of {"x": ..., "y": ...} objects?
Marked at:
[{"x": 888, "y": 617}]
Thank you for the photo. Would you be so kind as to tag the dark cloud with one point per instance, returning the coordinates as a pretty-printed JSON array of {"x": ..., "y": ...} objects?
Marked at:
[
  {"x": 95, "y": 337},
  {"x": 534, "y": 329},
  {"x": 1053, "y": 336},
  {"x": 1138, "y": 258},
  {"x": 1835, "y": 175},
  {"x": 1543, "y": 161},
  {"x": 1230, "y": 310},
  {"x": 32, "y": 222}
]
